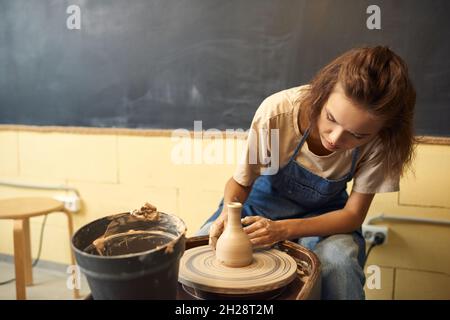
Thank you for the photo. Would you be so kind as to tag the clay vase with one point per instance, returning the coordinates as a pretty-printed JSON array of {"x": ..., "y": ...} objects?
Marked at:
[{"x": 233, "y": 247}]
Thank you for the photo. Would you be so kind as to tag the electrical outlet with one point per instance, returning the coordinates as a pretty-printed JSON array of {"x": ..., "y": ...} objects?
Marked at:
[
  {"x": 369, "y": 232},
  {"x": 71, "y": 202}
]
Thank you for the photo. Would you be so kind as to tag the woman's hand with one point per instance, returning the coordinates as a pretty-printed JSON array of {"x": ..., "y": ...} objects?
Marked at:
[
  {"x": 215, "y": 231},
  {"x": 264, "y": 232}
]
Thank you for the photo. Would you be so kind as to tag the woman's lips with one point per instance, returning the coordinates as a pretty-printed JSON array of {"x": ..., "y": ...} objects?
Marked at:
[{"x": 330, "y": 146}]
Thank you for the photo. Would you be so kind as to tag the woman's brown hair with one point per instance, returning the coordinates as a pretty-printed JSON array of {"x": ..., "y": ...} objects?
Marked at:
[{"x": 377, "y": 79}]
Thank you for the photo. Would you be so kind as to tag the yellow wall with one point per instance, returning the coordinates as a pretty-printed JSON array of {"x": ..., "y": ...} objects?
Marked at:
[{"x": 116, "y": 172}]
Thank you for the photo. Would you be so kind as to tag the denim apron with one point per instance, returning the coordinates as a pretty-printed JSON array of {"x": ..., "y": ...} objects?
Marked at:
[{"x": 295, "y": 192}]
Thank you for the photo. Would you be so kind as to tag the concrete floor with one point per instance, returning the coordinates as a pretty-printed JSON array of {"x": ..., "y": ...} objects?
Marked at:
[{"x": 48, "y": 284}]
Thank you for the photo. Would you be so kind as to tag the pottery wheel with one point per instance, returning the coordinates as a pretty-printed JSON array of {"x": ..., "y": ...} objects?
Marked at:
[{"x": 270, "y": 270}]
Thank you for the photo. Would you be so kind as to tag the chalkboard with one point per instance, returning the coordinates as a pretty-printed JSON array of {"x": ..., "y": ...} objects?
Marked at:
[{"x": 163, "y": 64}]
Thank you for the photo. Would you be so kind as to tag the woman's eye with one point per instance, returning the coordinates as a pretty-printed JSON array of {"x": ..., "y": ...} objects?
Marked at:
[
  {"x": 357, "y": 137},
  {"x": 330, "y": 118}
]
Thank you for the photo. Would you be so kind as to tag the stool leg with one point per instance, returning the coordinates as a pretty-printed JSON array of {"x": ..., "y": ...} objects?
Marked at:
[
  {"x": 28, "y": 257},
  {"x": 19, "y": 258},
  {"x": 76, "y": 293}
]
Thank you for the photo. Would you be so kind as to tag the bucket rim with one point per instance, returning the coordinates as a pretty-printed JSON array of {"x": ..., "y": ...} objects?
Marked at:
[{"x": 164, "y": 247}]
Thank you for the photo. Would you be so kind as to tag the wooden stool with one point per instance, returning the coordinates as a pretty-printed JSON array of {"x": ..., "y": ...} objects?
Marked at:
[{"x": 21, "y": 210}]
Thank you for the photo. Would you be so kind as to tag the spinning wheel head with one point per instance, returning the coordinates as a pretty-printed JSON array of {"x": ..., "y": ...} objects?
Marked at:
[{"x": 269, "y": 270}]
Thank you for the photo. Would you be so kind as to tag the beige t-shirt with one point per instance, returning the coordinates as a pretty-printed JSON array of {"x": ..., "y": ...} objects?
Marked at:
[{"x": 280, "y": 111}]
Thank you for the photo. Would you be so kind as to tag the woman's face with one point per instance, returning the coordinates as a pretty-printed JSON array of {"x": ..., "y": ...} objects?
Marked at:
[{"x": 343, "y": 125}]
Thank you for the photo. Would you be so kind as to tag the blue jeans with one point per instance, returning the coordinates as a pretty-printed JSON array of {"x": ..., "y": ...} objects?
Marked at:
[{"x": 342, "y": 275}]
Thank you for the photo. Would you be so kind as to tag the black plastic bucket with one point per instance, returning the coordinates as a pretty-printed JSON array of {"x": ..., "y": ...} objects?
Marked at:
[{"x": 145, "y": 263}]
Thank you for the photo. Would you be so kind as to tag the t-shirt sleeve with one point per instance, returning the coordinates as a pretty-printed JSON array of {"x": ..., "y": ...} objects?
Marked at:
[
  {"x": 370, "y": 172},
  {"x": 256, "y": 153}
]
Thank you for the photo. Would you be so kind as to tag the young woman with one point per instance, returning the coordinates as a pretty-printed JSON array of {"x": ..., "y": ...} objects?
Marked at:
[{"x": 354, "y": 121}]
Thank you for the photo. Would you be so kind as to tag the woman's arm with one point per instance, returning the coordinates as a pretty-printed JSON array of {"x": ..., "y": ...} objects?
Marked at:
[
  {"x": 345, "y": 220},
  {"x": 263, "y": 231},
  {"x": 234, "y": 192}
]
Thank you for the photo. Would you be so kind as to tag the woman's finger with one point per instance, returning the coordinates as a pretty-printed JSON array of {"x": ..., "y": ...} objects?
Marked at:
[
  {"x": 212, "y": 242},
  {"x": 253, "y": 227},
  {"x": 214, "y": 232},
  {"x": 261, "y": 241},
  {"x": 250, "y": 219},
  {"x": 258, "y": 233}
]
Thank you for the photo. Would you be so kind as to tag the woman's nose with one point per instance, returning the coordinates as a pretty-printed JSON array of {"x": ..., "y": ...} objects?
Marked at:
[{"x": 336, "y": 136}]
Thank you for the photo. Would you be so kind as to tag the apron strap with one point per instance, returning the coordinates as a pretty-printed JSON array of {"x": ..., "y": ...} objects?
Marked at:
[
  {"x": 299, "y": 146},
  {"x": 354, "y": 160}
]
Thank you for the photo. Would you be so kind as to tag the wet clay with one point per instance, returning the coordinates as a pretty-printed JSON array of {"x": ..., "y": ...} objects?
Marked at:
[{"x": 116, "y": 241}]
